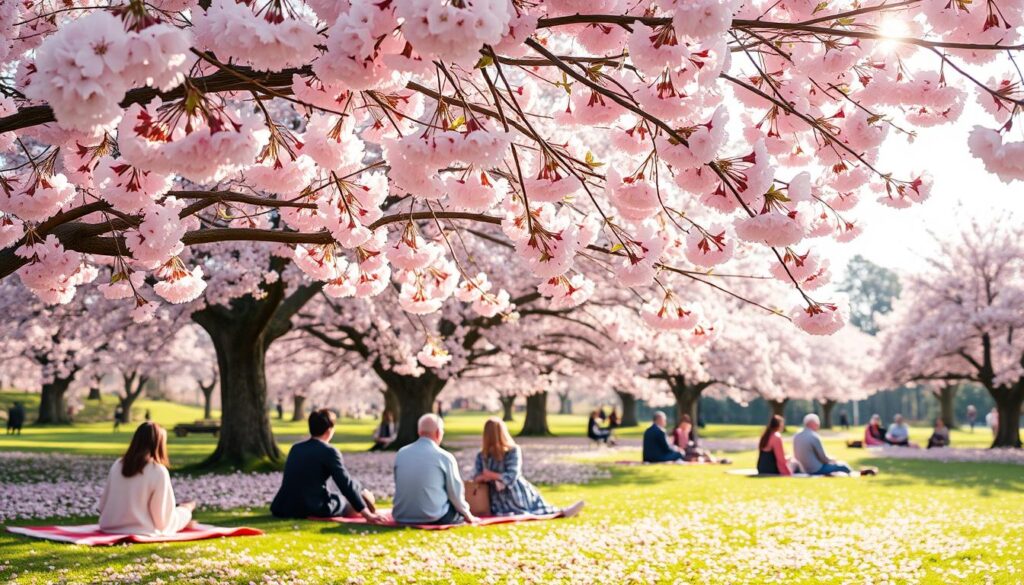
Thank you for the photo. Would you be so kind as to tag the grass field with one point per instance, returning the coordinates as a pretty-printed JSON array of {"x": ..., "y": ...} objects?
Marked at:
[{"x": 918, "y": 522}]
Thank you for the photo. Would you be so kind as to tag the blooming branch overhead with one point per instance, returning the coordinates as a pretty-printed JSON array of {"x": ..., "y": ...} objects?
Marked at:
[{"x": 599, "y": 143}]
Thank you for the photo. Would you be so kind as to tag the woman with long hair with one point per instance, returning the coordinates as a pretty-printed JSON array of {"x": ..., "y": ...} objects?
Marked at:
[
  {"x": 771, "y": 454},
  {"x": 500, "y": 464},
  {"x": 685, "y": 439},
  {"x": 138, "y": 498}
]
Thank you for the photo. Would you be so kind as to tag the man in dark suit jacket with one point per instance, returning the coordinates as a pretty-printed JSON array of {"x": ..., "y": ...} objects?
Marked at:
[
  {"x": 656, "y": 446},
  {"x": 310, "y": 463}
]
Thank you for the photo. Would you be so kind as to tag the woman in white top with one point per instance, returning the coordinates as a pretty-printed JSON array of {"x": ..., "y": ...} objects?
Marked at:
[{"x": 138, "y": 498}]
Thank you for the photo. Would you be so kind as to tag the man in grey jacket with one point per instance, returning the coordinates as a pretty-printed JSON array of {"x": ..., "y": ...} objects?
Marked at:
[
  {"x": 809, "y": 451},
  {"x": 428, "y": 486}
]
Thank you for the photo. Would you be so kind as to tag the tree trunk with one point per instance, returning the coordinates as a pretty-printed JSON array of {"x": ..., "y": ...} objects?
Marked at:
[
  {"x": 207, "y": 390},
  {"x": 415, "y": 398},
  {"x": 241, "y": 333},
  {"x": 52, "y": 406},
  {"x": 507, "y": 405},
  {"x": 299, "y": 407},
  {"x": 133, "y": 387},
  {"x": 245, "y": 435},
  {"x": 564, "y": 403},
  {"x": 947, "y": 408},
  {"x": 628, "y": 409},
  {"x": 687, "y": 398},
  {"x": 391, "y": 402},
  {"x": 536, "y": 423},
  {"x": 826, "y": 413},
  {"x": 94, "y": 393},
  {"x": 1008, "y": 404}
]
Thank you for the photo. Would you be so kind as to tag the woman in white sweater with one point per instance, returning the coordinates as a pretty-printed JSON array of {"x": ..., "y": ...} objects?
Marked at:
[{"x": 138, "y": 498}]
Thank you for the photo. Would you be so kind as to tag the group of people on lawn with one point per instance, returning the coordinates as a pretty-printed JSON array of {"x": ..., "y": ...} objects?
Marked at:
[
  {"x": 898, "y": 434},
  {"x": 138, "y": 498},
  {"x": 809, "y": 456}
]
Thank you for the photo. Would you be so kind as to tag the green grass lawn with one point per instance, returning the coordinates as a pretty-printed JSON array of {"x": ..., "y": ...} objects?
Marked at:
[{"x": 918, "y": 522}]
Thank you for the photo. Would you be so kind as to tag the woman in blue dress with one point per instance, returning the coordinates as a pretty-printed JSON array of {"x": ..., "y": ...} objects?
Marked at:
[{"x": 500, "y": 464}]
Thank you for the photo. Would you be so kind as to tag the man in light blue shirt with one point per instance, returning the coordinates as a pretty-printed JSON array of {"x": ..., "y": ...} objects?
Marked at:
[
  {"x": 899, "y": 433},
  {"x": 428, "y": 486}
]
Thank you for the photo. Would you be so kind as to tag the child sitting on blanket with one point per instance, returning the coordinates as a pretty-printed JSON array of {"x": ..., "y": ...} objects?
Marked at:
[{"x": 138, "y": 498}]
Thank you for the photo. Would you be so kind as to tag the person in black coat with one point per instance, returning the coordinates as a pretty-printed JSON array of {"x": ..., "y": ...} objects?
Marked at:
[
  {"x": 595, "y": 432},
  {"x": 656, "y": 446},
  {"x": 15, "y": 418},
  {"x": 304, "y": 490}
]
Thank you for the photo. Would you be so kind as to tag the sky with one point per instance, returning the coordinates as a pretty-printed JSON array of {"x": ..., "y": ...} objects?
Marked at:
[{"x": 900, "y": 238}]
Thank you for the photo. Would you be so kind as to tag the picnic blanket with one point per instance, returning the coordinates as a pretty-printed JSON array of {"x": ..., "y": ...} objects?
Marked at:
[
  {"x": 484, "y": 521},
  {"x": 90, "y": 535},
  {"x": 753, "y": 473},
  {"x": 678, "y": 462}
]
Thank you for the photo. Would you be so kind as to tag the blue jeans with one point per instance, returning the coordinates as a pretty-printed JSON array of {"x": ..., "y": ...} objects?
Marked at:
[
  {"x": 831, "y": 468},
  {"x": 451, "y": 516}
]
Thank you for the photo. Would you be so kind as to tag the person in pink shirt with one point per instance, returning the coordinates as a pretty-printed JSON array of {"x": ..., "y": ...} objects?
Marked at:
[
  {"x": 874, "y": 434},
  {"x": 771, "y": 459}
]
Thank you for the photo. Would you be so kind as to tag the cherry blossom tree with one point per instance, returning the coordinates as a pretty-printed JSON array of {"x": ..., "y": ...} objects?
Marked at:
[
  {"x": 189, "y": 145},
  {"x": 957, "y": 321},
  {"x": 416, "y": 358},
  {"x": 58, "y": 341},
  {"x": 140, "y": 353}
]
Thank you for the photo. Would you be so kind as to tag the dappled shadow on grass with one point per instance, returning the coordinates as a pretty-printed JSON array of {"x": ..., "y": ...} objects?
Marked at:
[{"x": 985, "y": 479}]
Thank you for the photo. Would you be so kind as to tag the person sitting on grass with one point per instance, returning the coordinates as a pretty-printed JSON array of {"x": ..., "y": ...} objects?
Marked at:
[
  {"x": 385, "y": 433},
  {"x": 304, "y": 491},
  {"x": 595, "y": 432},
  {"x": 899, "y": 433},
  {"x": 500, "y": 464},
  {"x": 428, "y": 485},
  {"x": 771, "y": 458},
  {"x": 940, "y": 436},
  {"x": 809, "y": 451},
  {"x": 684, "y": 437},
  {"x": 15, "y": 419},
  {"x": 138, "y": 498},
  {"x": 656, "y": 446},
  {"x": 874, "y": 436}
]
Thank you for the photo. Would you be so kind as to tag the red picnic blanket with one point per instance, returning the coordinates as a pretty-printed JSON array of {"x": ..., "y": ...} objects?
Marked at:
[
  {"x": 484, "y": 521},
  {"x": 90, "y": 535}
]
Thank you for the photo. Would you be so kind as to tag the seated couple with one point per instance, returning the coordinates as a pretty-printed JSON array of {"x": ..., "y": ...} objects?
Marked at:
[
  {"x": 428, "y": 485},
  {"x": 808, "y": 452},
  {"x": 657, "y": 449},
  {"x": 898, "y": 434},
  {"x": 598, "y": 433}
]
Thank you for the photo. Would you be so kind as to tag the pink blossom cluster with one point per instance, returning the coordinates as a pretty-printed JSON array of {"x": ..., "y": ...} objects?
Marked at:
[
  {"x": 85, "y": 68},
  {"x": 200, "y": 148},
  {"x": 454, "y": 31},
  {"x": 270, "y": 41},
  {"x": 53, "y": 273}
]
